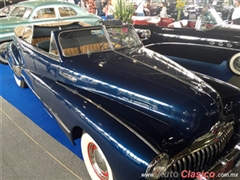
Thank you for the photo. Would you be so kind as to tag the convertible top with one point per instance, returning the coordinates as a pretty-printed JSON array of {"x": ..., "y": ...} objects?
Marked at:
[
  {"x": 35, "y": 33},
  {"x": 19, "y": 30}
]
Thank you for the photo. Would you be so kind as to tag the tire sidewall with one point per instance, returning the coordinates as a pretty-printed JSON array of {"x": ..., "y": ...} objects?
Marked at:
[
  {"x": 85, "y": 140},
  {"x": 231, "y": 66}
]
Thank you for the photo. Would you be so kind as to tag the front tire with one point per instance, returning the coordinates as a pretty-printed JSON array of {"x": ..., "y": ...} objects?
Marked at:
[
  {"x": 94, "y": 159},
  {"x": 234, "y": 64}
]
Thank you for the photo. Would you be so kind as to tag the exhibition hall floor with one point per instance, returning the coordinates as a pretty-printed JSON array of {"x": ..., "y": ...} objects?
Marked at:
[
  {"x": 29, "y": 153},
  {"x": 32, "y": 145}
]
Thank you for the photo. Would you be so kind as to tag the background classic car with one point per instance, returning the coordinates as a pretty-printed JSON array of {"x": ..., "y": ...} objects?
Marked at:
[
  {"x": 39, "y": 12},
  {"x": 84, "y": 77},
  {"x": 4, "y": 3},
  {"x": 209, "y": 39}
]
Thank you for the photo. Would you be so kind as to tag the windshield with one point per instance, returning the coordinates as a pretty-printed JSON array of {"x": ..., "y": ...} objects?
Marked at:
[
  {"x": 90, "y": 40},
  {"x": 20, "y": 11},
  {"x": 209, "y": 20},
  {"x": 125, "y": 36}
]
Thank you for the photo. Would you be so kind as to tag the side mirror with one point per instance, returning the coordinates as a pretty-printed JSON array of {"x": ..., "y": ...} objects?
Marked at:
[{"x": 144, "y": 34}]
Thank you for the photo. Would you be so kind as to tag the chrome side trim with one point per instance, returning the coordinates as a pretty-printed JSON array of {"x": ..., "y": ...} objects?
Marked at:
[
  {"x": 191, "y": 44},
  {"x": 113, "y": 116}
]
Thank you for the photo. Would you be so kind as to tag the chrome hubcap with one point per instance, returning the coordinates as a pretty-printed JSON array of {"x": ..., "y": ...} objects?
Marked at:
[
  {"x": 97, "y": 162},
  {"x": 236, "y": 63}
]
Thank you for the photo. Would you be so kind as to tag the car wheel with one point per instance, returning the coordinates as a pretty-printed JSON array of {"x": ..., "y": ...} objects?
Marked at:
[
  {"x": 20, "y": 83},
  {"x": 234, "y": 64},
  {"x": 94, "y": 159},
  {"x": 3, "y": 49}
]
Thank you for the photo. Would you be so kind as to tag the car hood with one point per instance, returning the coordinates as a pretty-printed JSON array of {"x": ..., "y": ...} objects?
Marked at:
[{"x": 151, "y": 84}]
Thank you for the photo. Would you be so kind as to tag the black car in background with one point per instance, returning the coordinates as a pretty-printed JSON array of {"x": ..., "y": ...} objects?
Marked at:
[
  {"x": 208, "y": 39},
  {"x": 4, "y": 3}
]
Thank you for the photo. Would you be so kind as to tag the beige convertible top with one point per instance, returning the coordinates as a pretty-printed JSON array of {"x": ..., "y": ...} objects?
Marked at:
[{"x": 19, "y": 30}]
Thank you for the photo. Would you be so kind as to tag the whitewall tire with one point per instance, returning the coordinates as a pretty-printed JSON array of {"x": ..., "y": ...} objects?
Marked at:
[
  {"x": 94, "y": 159},
  {"x": 234, "y": 64},
  {"x": 20, "y": 83}
]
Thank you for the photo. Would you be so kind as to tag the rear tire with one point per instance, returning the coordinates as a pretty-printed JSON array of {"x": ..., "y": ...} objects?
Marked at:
[
  {"x": 234, "y": 64},
  {"x": 94, "y": 159},
  {"x": 20, "y": 83}
]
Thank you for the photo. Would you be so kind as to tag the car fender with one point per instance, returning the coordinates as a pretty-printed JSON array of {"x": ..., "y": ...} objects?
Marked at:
[
  {"x": 14, "y": 59},
  {"x": 229, "y": 94},
  {"x": 122, "y": 145}
]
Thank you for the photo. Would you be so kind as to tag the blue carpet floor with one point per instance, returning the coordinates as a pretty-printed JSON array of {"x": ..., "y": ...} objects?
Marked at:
[{"x": 29, "y": 105}]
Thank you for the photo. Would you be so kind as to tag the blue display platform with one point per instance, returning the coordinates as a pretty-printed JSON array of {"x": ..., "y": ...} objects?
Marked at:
[{"x": 29, "y": 105}]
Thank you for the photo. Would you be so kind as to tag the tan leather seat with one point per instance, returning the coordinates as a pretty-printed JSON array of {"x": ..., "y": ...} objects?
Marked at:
[
  {"x": 84, "y": 49},
  {"x": 36, "y": 40},
  {"x": 46, "y": 16},
  {"x": 89, "y": 47},
  {"x": 71, "y": 51}
]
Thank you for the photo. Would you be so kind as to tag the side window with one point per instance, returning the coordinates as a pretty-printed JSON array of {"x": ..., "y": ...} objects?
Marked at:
[
  {"x": 45, "y": 13},
  {"x": 66, "y": 12}
]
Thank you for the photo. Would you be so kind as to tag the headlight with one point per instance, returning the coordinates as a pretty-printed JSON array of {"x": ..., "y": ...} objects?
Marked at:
[{"x": 158, "y": 166}]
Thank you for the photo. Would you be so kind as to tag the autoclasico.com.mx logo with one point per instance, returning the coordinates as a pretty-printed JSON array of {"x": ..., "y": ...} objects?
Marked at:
[{"x": 201, "y": 175}]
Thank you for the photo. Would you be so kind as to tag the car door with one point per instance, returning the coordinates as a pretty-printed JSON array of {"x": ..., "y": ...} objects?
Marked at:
[
  {"x": 179, "y": 42},
  {"x": 41, "y": 69},
  {"x": 47, "y": 66}
]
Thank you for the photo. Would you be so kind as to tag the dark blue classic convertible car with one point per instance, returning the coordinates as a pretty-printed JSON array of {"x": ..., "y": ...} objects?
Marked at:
[
  {"x": 208, "y": 39},
  {"x": 139, "y": 114}
]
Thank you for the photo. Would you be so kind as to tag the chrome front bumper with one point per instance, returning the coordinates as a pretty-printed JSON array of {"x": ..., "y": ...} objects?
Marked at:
[{"x": 227, "y": 163}]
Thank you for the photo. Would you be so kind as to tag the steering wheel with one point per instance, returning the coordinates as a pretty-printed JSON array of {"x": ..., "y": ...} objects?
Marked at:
[
  {"x": 130, "y": 40},
  {"x": 104, "y": 44},
  {"x": 116, "y": 40}
]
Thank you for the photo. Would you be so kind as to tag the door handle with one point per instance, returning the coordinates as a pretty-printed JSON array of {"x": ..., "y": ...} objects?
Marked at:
[{"x": 68, "y": 76}]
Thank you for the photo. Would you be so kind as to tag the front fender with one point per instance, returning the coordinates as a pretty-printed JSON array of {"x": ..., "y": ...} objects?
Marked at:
[
  {"x": 229, "y": 94},
  {"x": 126, "y": 150}
]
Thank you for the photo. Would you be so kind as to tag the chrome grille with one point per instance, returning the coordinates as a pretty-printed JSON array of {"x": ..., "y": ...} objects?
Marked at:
[{"x": 203, "y": 152}]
